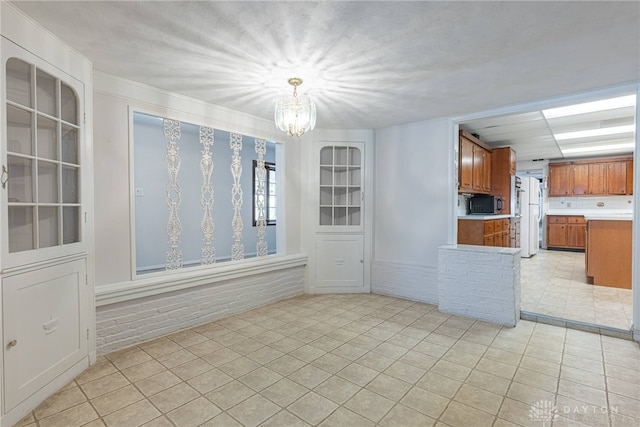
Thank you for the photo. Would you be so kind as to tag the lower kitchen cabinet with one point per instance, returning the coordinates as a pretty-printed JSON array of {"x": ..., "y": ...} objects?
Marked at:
[
  {"x": 566, "y": 232},
  {"x": 487, "y": 232}
]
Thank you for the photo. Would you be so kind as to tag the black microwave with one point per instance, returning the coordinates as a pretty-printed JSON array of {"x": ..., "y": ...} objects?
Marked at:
[{"x": 487, "y": 205}]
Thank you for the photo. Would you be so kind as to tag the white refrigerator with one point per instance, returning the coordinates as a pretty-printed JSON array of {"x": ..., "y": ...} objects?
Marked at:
[{"x": 530, "y": 203}]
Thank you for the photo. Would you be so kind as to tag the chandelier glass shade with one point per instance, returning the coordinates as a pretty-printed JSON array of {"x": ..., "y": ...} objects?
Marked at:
[{"x": 295, "y": 114}]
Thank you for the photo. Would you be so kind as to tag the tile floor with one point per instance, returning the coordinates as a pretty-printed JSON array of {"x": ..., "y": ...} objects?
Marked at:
[
  {"x": 356, "y": 360},
  {"x": 554, "y": 283}
]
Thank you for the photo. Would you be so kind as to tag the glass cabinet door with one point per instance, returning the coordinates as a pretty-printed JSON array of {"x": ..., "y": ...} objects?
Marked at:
[
  {"x": 43, "y": 163},
  {"x": 340, "y": 186}
]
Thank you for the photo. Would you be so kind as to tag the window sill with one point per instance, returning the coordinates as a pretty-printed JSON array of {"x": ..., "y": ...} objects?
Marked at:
[{"x": 134, "y": 289}]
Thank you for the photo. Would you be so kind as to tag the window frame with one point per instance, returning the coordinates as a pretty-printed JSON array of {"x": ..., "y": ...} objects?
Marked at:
[{"x": 270, "y": 169}]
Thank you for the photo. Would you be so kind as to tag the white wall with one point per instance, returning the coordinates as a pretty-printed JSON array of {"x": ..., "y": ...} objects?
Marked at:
[
  {"x": 414, "y": 207},
  {"x": 117, "y": 294}
]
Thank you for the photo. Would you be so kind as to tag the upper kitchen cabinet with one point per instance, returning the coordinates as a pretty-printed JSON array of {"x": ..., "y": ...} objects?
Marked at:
[
  {"x": 601, "y": 177},
  {"x": 474, "y": 165},
  {"x": 503, "y": 168},
  {"x": 560, "y": 179}
]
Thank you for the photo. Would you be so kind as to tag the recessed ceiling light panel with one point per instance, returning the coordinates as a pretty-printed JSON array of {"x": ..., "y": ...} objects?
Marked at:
[{"x": 613, "y": 130}]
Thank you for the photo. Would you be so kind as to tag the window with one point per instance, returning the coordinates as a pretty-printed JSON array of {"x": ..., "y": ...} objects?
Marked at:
[{"x": 269, "y": 196}]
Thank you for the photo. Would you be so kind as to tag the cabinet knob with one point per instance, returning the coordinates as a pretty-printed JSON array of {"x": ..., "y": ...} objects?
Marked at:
[{"x": 12, "y": 343}]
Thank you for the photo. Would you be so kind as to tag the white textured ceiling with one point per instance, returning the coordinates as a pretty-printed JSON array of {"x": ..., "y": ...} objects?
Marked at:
[{"x": 366, "y": 64}]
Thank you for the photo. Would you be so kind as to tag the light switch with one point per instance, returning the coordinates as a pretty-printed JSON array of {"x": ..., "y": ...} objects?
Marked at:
[{"x": 139, "y": 192}]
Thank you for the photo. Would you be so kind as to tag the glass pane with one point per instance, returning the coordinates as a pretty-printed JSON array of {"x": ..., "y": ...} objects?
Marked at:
[
  {"x": 326, "y": 196},
  {"x": 20, "y": 228},
  {"x": 339, "y": 216},
  {"x": 341, "y": 155},
  {"x": 340, "y": 196},
  {"x": 18, "y": 130},
  {"x": 354, "y": 216},
  {"x": 354, "y": 196},
  {"x": 354, "y": 156},
  {"x": 70, "y": 224},
  {"x": 69, "y": 145},
  {"x": 326, "y": 156},
  {"x": 326, "y": 216},
  {"x": 68, "y": 104},
  {"x": 69, "y": 184},
  {"x": 354, "y": 176},
  {"x": 47, "y": 182},
  {"x": 20, "y": 180},
  {"x": 47, "y": 140},
  {"x": 48, "y": 226},
  {"x": 326, "y": 175},
  {"x": 45, "y": 93},
  {"x": 340, "y": 176},
  {"x": 19, "y": 82}
]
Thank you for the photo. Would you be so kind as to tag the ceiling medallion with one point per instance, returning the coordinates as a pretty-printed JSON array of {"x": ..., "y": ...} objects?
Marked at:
[{"x": 295, "y": 114}]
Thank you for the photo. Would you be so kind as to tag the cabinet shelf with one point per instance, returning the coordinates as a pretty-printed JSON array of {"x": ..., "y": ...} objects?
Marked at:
[{"x": 340, "y": 186}]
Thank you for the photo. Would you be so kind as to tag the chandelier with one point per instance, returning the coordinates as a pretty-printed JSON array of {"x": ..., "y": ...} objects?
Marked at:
[{"x": 295, "y": 115}]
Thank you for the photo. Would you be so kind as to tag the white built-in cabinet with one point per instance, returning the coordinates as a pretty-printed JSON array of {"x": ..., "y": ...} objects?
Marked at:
[
  {"x": 45, "y": 306},
  {"x": 339, "y": 238}
]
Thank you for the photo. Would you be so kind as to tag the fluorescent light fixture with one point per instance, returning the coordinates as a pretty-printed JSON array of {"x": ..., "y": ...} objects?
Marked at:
[
  {"x": 612, "y": 130},
  {"x": 610, "y": 147},
  {"x": 589, "y": 107}
]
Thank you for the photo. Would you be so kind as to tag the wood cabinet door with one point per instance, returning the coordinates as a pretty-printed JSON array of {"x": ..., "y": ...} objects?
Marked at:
[
  {"x": 597, "y": 178},
  {"x": 580, "y": 185},
  {"x": 557, "y": 235},
  {"x": 629, "y": 176},
  {"x": 478, "y": 168},
  {"x": 576, "y": 235},
  {"x": 465, "y": 165},
  {"x": 486, "y": 171},
  {"x": 490, "y": 240},
  {"x": 617, "y": 178},
  {"x": 559, "y": 179}
]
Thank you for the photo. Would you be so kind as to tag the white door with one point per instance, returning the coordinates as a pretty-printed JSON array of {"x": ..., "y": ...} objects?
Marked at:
[
  {"x": 340, "y": 267},
  {"x": 44, "y": 323}
]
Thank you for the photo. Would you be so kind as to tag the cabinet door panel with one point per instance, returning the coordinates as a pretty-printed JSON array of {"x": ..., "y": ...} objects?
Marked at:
[
  {"x": 559, "y": 179},
  {"x": 466, "y": 165},
  {"x": 557, "y": 235},
  {"x": 478, "y": 168},
  {"x": 340, "y": 261},
  {"x": 629, "y": 176},
  {"x": 486, "y": 171},
  {"x": 580, "y": 180},
  {"x": 597, "y": 178},
  {"x": 576, "y": 235},
  {"x": 44, "y": 315},
  {"x": 617, "y": 178}
]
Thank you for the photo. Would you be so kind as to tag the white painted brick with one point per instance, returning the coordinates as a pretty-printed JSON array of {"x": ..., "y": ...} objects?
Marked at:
[
  {"x": 414, "y": 282},
  {"x": 128, "y": 323}
]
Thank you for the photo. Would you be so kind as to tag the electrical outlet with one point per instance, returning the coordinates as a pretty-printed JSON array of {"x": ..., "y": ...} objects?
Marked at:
[
  {"x": 139, "y": 192},
  {"x": 568, "y": 204}
]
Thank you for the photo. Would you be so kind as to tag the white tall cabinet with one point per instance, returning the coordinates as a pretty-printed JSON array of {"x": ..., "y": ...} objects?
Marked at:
[
  {"x": 45, "y": 179},
  {"x": 341, "y": 240}
]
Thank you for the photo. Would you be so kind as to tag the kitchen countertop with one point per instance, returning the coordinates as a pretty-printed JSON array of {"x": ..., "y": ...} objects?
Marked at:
[
  {"x": 596, "y": 214},
  {"x": 483, "y": 217}
]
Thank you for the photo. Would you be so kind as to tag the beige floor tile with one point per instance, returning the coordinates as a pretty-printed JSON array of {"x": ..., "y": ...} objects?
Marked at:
[
  {"x": 536, "y": 380},
  {"x": 175, "y": 359},
  {"x": 431, "y": 349},
  {"x": 192, "y": 369},
  {"x": 390, "y": 350},
  {"x": 204, "y": 348},
  {"x": 143, "y": 370},
  {"x": 451, "y": 370},
  {"x": 239, "y": 367},
  {"x": 307, "y": 353},
  {"x": 405, "y": 372},
  {"x": 210, "y": 380},
  {"x": 624, "y": 388},
  {"x": 285, "y": 365},
  {"x": 221, "y": 357},
  {"x": 253, "y": 410},
  {"x": 517, "y": 412},
  {"x": 458, "y": 414},
  {"x": 312, "y": 408},
  {"x": 246, "y": 346},
  {"x": 582, "y": 393},
  {"x": 265, "y": 355},
  {"x": 529, "y": 395},
  {"x": 370, "y": 405},
  {"x": 284, "y": 418},
  {"x": 478, "y": 398},
  {"x": 230, "y": 394},
  {"x": 28, "y": 420},
  {"x": 389, "y": 387},
  {"x": 222, "y": 420},
  {"x": 99, "y": 370},
  {"x": 104, "y": 385},
  {"x": 444, "y": 386},
  {"x": 375, "y": 361},
  {"x": 309, "y": 376},
  {"x": 337, "y": 389},
  {"x": 284, "y": 392},
  {"x": 260, "y": 378},
  {"x": 60, "y": 401},
  {"x": 286, "y": 344},
  {"x": 115, "y": 400},
  {"x": 344, "y": 417},
  {"x": 130, "y": 359},
  {"x": 194, "y": 413},
  {"x": 75, "y": 416},
  {"x": 358, "y": 374},
  {"x": 426, "y": 402},
  {"x": 582, "y": 377},
  {"x": 417, "y": 359},
  {"x": 173, "y": 397},
  {"x": 156, "y": 383},
  {"x": 402, "y": 416},
  {"x": 132, "y": 415}
]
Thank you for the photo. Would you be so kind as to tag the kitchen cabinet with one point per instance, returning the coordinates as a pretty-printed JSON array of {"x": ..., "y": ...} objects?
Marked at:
[
  {"x": 608, "y": 253},
  {"x": 474, "y": 165},
  {"x": 600, "y": 177},
  {"x": 580, "y": 177},
  {"x": 566, "y": 232},
  {"x": 487, "y": 232},
  {"x": 597, "y": 179},
  {"x": 560, "y": 179},
  {"x": 629, "y": 176},
  {"x": 503, "y": 168},
  {"x": 617, "y": 178}
]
